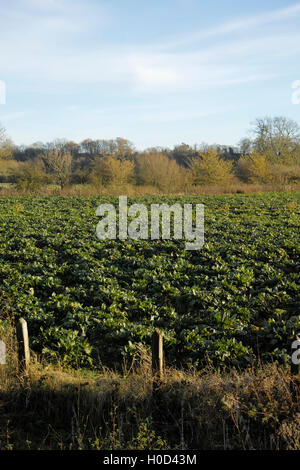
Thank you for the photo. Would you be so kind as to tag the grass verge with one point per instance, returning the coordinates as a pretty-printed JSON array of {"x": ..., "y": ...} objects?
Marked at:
[{"x": 54, "y": 408}]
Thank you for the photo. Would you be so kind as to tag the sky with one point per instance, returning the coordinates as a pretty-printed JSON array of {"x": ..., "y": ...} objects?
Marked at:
[{"x": 156, "y": 72}]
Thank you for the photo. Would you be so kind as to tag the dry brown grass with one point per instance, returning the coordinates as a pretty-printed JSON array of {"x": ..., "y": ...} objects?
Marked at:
[
  {"x": 236, "y": 187},
  {"x": 57, "y": 408}
]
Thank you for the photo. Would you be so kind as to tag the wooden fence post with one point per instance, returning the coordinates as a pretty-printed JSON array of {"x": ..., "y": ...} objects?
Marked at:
[
  {"x": 157, "y": 373},
  {"x": 23, "y": 345},
  {"x": 295, "y": 368},
  {"x": 157, "y": 355}
]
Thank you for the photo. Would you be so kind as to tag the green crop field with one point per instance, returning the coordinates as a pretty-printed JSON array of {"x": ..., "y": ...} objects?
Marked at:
[{"x": 88, "y": 301}]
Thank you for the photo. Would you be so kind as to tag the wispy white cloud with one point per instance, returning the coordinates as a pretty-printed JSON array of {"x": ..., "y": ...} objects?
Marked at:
[
  {"x": 192, "y": 72},
  {"x": 237, "y": 25},
  {"x": 62, "y": 47},
  {"x": 150, "y": 71},
  {"x": 45, "y": 48}
]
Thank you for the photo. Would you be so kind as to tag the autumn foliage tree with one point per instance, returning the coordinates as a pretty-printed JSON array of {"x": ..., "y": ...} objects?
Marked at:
[
  {"x": 30, "y": 176},
  {"x": 271, "y": 156},
  {"x": 156, "y": 169},
  {"x": 254, "y": 168},
  {"x": 111, "y": 171},
  {"x": 208, "y": 168}
]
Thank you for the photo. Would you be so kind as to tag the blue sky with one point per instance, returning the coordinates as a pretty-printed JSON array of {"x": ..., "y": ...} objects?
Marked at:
[{"x": 157, "y": 72}]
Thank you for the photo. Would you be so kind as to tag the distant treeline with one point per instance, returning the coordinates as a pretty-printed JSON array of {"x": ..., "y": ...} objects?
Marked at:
[{"x": 272, "y": 155}]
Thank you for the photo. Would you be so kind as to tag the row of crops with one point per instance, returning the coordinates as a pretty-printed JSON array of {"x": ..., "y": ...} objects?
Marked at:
[{"x": 89, "y": 301}]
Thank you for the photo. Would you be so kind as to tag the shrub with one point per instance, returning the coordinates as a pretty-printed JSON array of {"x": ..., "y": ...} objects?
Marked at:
[
  {"x": 254, "y": 168},
  {"x": 156, "y": 169},
  {"x": 209, "y": 168},
  {"x": 111, "y": 171},
  {"x": 30, "y": 177}
]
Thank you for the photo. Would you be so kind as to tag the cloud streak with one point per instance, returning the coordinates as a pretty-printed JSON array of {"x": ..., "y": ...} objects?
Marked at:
[
  {"x": 69, "y": 49},
  {"x": 240, "y": 25},
  {"x": 37, "y": 51}
]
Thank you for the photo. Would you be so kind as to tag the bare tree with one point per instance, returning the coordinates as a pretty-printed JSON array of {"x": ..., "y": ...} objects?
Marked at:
[
  {"x": 245, "y": 146},
  {"x": 278, "y": 137},
  {"x": 59, "y": 165},
  {"x": 125, "y": 148}
]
